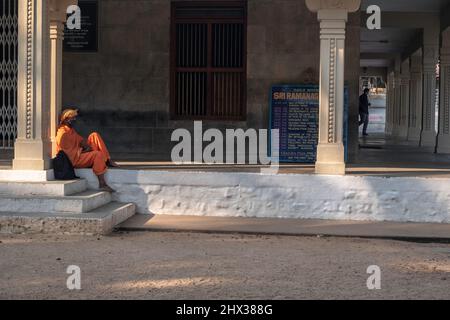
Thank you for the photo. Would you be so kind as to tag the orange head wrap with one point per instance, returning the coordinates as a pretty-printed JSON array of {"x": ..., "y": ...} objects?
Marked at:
[{"x": 67, "y": 114}]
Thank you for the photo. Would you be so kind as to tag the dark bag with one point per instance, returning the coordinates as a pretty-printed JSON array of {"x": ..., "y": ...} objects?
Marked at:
[{"x": 63, "y": 168}]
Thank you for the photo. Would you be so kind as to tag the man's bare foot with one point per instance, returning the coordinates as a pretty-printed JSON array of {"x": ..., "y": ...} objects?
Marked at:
[
  {"x": 107, "y": 188},
  {"x": 112, "y": 164}
]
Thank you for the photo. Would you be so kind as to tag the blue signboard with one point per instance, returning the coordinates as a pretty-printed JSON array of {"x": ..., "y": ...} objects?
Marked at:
[{"x": 294, "y": 110}]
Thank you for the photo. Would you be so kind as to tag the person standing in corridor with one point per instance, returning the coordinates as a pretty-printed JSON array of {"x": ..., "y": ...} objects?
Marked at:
[{"x": 364, "y": 110}]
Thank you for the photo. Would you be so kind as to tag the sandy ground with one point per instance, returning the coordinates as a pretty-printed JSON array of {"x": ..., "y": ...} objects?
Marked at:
[{"x": 210, "y": 266}]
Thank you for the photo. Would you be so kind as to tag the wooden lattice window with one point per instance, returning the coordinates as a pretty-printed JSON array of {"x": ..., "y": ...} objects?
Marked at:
[{"x": 208, "y": 60}]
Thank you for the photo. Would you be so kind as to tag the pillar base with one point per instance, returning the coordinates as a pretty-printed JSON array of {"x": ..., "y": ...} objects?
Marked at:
[
  {"x": 395, "y": 132},
  {"x": 428, "y": 139},
  {"x": 443, "y": 145},
  {"x": 330, "y": 159},
  {"x": 403, "y": 132},
  {"x": 414, "y": 134},
  {"x": 388, "y": 129},
  {"x": 31, "y": 155},
  {"x": 337, "y": 168}
]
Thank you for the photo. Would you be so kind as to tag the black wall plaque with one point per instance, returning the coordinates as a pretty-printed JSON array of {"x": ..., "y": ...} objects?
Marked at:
[{"x": 85, "y": 39}]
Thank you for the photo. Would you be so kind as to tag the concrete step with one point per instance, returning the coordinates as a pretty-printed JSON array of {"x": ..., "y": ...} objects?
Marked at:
[
  {"x": 99, "y": 221},
  {"x": 49, "y": 188},
  {"x": 76, "y": 203}
]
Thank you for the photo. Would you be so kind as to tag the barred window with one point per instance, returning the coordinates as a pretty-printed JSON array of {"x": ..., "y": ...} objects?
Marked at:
[
  {"x": 208, "y": 60},
  {"x": 8, "y": 73}
]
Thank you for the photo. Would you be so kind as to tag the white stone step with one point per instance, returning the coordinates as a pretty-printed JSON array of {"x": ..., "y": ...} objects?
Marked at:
[
  {"x": 99, "y": 221},
  {"x": 26, "y": 175},
  {"x": 77, "y": 203},
  {"x": 50, "y": 188}
]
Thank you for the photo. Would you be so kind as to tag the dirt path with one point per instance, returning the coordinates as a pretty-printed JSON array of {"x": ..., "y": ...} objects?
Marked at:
[{"x": 210, "y": 266}]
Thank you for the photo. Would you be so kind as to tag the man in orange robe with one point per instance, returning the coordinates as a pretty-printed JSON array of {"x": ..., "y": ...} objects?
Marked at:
[{"x": 90, "y": 153}]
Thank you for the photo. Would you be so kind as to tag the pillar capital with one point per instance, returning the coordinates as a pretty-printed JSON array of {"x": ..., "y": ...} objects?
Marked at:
[
  {"x": 332, "y": 24},
  {"x": 56, "y": 30},
  {"x": 334, "y": 5},
  {"x": 58, "y": 9}
]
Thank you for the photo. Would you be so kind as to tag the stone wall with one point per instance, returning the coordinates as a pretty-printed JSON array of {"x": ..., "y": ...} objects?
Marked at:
[
  {"x": 123, "y": 89},
  {"x": 232, "y": 194}
]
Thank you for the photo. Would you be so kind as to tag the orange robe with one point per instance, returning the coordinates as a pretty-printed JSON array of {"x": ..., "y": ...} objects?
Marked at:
[{"x": 69, "y": 141}]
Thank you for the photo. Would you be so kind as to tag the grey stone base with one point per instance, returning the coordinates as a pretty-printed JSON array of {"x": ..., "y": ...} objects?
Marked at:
[{"x": 98, "y": 222}]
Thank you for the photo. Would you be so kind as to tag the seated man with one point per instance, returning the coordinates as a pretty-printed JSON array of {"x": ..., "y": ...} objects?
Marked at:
[{"x": 90, "y": 153}]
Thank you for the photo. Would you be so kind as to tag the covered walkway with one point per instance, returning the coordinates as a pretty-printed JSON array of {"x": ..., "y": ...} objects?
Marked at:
[
  {"x": 378, "y": 156},
  {"x": 412, "y": 50}
]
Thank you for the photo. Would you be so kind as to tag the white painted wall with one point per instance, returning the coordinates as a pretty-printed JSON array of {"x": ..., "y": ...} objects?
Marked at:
[{"x": 285, "y": 195}]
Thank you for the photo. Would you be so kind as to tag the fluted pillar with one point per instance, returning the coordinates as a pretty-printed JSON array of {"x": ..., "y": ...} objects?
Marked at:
[
  {"x": 415, "y": 116},
  {"x": 56, "y": 37},
  {"x": 396, "y": 104},
  {"x": 404, "y": 100},
  {"x": 332, "y": 16},
  {"x": 32, "y": 148},
  {"x": 430, "y": 60},
  {"x": 40, "y": 28},
  {"x": 389, "y": 104},
  {"x": 58, "y": 15},
  {"x": 444, "y": 106}
]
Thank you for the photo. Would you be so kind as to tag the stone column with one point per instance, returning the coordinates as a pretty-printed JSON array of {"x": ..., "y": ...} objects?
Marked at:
[
  {"x": 396, "y": 97},
  {"x": 444, "y": 106},
  {"x": 32, "y": 148},
  {"x": 415, "y": 97},
  {"x": 389, "y": 104},
  {"x": 58, "y": 15},
  {"x": 430, "y": 60},
  {"x": 56, "y": 37},
  {"x": 404, "y": 100},
  {"x": 332, "y": 16},
  {"x": 40, "y": 24},
  {"x": 396, "y": 104}
]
